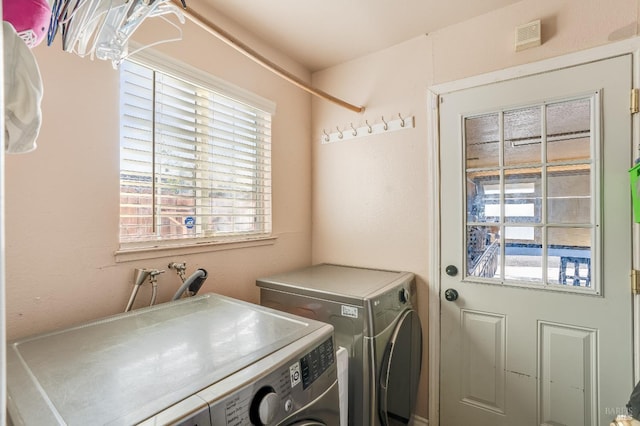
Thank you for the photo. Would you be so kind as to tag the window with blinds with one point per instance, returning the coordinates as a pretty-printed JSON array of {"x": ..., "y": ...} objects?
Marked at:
[{"x": 195, "y": 164}]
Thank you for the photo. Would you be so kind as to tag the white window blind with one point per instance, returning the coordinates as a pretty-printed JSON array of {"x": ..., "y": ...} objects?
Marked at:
[{"x": 194, "y": 163}]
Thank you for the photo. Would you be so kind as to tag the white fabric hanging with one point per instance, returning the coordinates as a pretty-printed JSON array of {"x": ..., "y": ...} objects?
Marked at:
[{"x": 22, "y": 94}]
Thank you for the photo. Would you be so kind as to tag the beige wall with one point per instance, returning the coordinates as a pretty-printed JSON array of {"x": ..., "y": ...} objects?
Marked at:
[
  {"x": 371, "y": 195},
  {"x": 62, "y": 199}
]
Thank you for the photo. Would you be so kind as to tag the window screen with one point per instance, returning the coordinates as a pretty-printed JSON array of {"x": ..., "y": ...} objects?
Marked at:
[{"x": 194, "y": 163}]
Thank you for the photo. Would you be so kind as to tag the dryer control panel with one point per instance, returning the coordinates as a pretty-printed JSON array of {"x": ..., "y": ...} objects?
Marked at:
[
  {"x": 385, "y": 307},
  {"x": 288, "y": 387}
]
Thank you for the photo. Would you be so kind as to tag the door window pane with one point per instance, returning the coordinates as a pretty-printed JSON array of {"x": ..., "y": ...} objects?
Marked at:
[
  {"x": 569, "y": 256},
  {"x": 523, "y": 257},
  {"x": 522, "y": 141},
  {"x": 483, "y": 197},
  {"x": 522, "y": 195},
  {"x": 482, "y": 139},
  {"x": 568, "y": 130},
  {"x": 569, "y": 194},
  {"x": 483, "y": 251}
]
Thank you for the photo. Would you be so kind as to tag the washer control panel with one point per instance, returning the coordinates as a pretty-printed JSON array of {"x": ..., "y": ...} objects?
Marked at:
[
  {"x": 282, "y": 392},
  {"x": 315, "y": 363}
]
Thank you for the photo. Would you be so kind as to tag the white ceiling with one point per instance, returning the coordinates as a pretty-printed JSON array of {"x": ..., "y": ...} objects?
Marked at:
[{"x": 329, "y": 32}]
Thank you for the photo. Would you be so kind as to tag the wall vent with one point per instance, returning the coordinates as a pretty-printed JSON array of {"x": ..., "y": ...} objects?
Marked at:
[{"x": 528, "y": 35}]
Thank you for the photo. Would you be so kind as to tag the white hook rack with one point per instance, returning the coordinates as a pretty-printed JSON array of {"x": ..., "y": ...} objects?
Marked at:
[{"x": 368, "y": 129}]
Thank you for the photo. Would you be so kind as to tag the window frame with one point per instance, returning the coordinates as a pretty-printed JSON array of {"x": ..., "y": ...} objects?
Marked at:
[
  {"x": 594, "y": 223},
  {"x": 181, "y": 71}
]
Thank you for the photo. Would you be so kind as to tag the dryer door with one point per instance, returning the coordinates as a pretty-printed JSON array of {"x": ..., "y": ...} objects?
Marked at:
[{"x": 400, "y": 371}]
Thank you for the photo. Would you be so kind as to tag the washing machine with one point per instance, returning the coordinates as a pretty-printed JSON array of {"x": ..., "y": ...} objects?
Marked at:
[
  {"x": 374, "y": 316},
  {"x": 207, "y": 360}
]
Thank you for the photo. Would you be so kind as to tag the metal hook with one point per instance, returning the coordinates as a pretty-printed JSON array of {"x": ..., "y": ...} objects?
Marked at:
[
  {"x": 386, "y": 126},
  {"x": 401, "y": 120},
  {"x": 369, "y": 126},
  {"x": 339, "y": 132},
  {"x": 326, "y": 136},
  {"x": 355, "y": 132}
]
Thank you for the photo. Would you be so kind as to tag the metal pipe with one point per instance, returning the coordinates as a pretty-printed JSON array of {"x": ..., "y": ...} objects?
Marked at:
[
  {"x": 132, "y": 298},
  {"x": 221, "y": 34},
  {"x": 139, "y": 278},
  {"x": 154, "y": 291},
  {"x": 153, "y": 278},
  {"x": 180, "y": 268}
]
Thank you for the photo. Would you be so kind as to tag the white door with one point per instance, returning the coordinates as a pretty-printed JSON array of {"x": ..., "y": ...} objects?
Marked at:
[{"x": 536, "y": 245}]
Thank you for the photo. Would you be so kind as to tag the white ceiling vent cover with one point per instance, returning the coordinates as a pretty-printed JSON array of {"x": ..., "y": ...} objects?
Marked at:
[{"x": 528, "y": 35}]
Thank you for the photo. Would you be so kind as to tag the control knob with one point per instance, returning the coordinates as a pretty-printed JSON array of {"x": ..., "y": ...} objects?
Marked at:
[
  {"x": 404, "y": 295},
  {"x": 264, "y": 406}
]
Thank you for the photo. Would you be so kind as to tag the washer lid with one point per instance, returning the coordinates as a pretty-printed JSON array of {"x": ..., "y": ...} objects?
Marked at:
[
  {"x": 126, "y": 368},
  {"x": 346, "y": 284}
]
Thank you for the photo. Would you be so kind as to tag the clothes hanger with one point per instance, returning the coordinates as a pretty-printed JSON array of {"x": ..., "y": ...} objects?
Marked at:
[
  {"x": 111, "y": 42},
  {"x": 102, "y": 28}
]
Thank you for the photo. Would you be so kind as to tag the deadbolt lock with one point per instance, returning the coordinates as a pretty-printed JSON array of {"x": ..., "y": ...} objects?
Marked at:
[{"x": 451, "y": 270}]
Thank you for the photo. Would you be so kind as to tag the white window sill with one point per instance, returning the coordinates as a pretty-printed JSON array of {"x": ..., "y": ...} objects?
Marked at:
[{"x": 141, "y": 253}]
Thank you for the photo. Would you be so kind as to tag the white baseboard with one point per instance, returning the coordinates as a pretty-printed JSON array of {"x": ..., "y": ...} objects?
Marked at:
[{"x": 420, "y": 421}]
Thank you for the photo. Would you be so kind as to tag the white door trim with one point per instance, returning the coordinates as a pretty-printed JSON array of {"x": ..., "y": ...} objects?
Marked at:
[{"x": 595, "y": 54}]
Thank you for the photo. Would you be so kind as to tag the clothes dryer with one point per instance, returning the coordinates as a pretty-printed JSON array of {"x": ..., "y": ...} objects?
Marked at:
[{"x": 374, "y": 317}]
